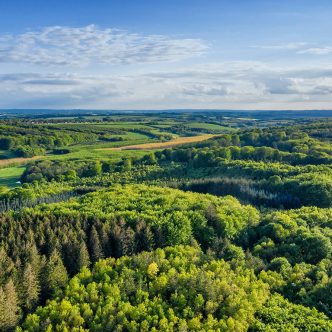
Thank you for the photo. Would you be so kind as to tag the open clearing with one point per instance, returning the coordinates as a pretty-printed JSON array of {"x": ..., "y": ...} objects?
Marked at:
[
  {"x": 10, "y": 176},
  {"x": 163, "y": 145}
]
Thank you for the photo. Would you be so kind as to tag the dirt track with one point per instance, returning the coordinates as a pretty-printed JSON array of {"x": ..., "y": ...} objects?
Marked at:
[{"x": 162, "y": 145}]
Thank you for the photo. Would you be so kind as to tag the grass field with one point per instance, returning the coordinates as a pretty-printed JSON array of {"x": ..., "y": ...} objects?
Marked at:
[
  {"x": 10, "y": 175},
  {"x": 85, "y": 152}
]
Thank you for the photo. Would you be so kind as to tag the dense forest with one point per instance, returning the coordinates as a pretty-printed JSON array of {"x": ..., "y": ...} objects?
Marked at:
[
  {"x": 233, "y": 233},
  {"x": 277, "y": 167}
]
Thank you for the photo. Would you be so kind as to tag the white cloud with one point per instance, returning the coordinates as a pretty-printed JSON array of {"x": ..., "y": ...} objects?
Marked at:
[
  {"x": 299, "y": 48},
  {"x": 317, "y": 50},
  {"x": 242, "y": 85},
  {"x": 284, "y": 46},
  {"x": 60, "y": 46}
]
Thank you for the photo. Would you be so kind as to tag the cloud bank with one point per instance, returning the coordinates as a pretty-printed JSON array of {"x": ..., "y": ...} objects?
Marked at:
[
  {"x": 64, "y": 46},
  {"x": 242, "y": 85}
]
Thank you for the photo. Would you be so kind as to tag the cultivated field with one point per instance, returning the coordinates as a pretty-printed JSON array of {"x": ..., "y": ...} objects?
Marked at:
[
  {"x": 162, "y": 145},
  {"x": 16, "y": 161}
]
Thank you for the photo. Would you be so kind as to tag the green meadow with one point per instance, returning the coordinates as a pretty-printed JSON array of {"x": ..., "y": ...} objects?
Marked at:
[{"x": 10, "y": 175}]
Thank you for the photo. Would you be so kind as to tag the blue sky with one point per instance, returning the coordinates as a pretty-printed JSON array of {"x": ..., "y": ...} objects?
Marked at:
[{"x": 220, "y": 54}]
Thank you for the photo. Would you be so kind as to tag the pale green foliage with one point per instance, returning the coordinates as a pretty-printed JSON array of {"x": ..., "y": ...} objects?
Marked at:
[
  {"x": 177, "y": 212},
  {"x": 280, "y": 315},
  {"x": 177, "y": 288}
]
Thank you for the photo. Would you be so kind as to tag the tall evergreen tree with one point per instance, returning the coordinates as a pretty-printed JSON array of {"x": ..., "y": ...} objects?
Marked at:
[
  {"x": 143, "y": 236},
  {"x": 6, "y": 266},
  {"x": 83, "y": 258},
  {"x": 30, "y": 287},
  {"x": 35, "y": 259},
  {"x": 104, "y": 237},
  {"x": 95, "y": 246},
  {"x": 11, "y": 309},
  {"x": 2, "y": 310},
  {"x": 54, "y": 274},
  {"x": 128, "y": 241}
]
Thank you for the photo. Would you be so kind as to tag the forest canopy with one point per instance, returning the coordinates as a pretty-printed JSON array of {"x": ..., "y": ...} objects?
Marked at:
[{"x": 230, "y": 233}]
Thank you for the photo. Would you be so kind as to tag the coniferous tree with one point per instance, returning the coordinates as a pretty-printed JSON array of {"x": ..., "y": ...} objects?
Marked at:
[
  {"x": 6, "y": 266},
  {"x": 11, "y": 310},
  {"x": 35, "y": 259},
  {"x": 104, "y": 237},
  {"x": 116, "y": 236},
  {"x": 144, "y": 237},
  {"x": 54, "y": 274},
  {"x": 2, "y": 310},
  {"x": 30, "y": 287},
  {"x": 82, "y": 258},
  {"x": 95, "y": 246},
  {"x": 128, "y": 241}
]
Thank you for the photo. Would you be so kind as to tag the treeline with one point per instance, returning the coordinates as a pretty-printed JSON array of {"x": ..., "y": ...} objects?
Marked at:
[
  {"x": 30, "y": 193},
  {"x": 213, "y": 156},
  {"x": 246, "y": 190},
  {"x": 63, "y": 170},
  {"x": 309, "y": 139},
  {"x": 17, "y": 204}
]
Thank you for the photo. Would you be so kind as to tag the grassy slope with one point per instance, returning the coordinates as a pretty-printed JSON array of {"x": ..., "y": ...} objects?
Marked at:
[{"x": 9, "y": 176}]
